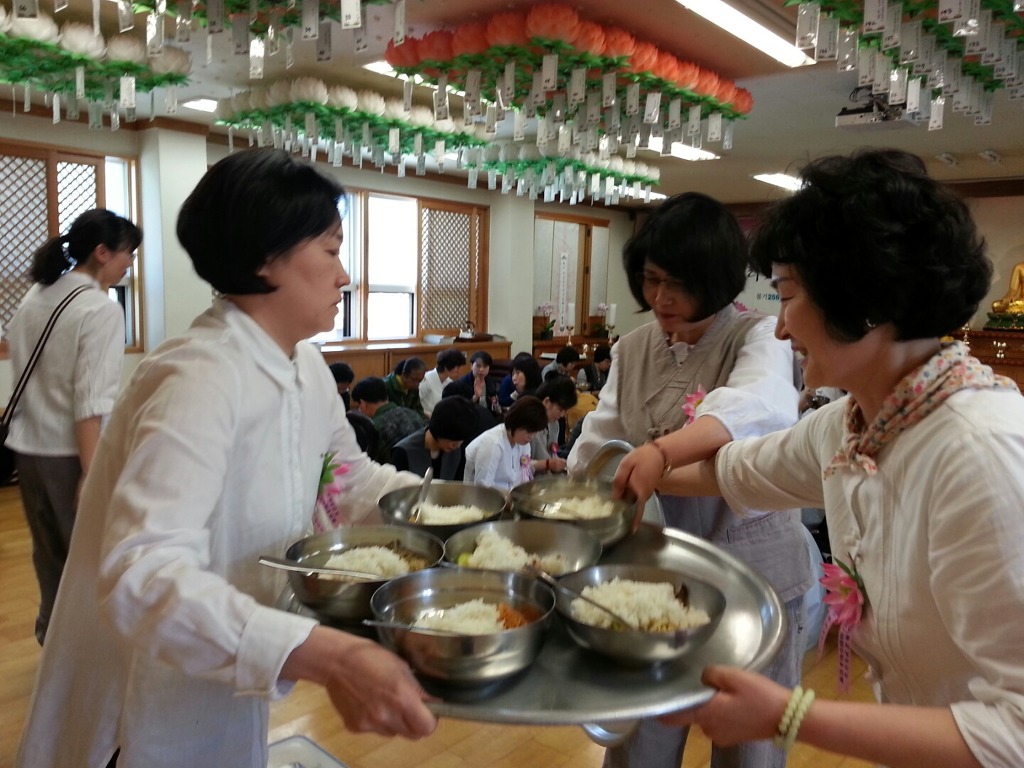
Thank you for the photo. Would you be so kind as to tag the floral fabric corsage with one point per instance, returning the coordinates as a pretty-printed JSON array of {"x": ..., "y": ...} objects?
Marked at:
[
  {"x": 693, "y": 401},
  {"x": 327, "y": 514},
  {"x": 845, "y": 597}
]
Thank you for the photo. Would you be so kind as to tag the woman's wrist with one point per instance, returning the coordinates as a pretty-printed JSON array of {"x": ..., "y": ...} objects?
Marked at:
[{"x": 666, "y": 460}]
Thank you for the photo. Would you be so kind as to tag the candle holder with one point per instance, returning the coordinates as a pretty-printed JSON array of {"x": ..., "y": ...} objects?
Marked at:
[
  {"x": 567, "y": 330},
  {"x": 611, "y": 332}
]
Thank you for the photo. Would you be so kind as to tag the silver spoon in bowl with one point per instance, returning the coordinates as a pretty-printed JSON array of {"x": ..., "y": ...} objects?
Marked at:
[
  {"x": 291, "y": 565},
  {"x": 414, "y": 512},
  {"x": 413, "y": 628},
  {"x": 551, "y": 581}
]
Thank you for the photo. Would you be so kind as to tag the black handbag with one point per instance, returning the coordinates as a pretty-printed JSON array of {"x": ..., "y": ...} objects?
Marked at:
[{"x": 8, "y": 463}]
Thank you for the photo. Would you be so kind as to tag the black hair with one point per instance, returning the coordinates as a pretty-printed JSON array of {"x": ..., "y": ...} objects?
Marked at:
[
  {"x": 567, "y": 355},
  {"x": 560, "y": 390},
  {"x": 372, "y": 389},
  {"x": 251, "y": 208},
  {"x": 530, "y": 369},
  {"x": 410, "y": 365},
  {"x": 698, "y": 242},
  {"x": 874, "y": 240},
  {"x": 90, "y": 230},
  {"x": 522, "y": 356},
  {"x": 366, "y": 433},
  {"x": 450, "y": 359},
  {"x": 453, "y": 418},
  {"x": 343, "y": 373},
  {"x": 527, "y": 413},
  {"x": 602, "y": 352},
  {"x": 483, "y": 357}
]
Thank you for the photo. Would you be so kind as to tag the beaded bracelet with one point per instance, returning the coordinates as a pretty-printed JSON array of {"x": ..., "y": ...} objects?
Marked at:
[{"x": 793, "y": 717}]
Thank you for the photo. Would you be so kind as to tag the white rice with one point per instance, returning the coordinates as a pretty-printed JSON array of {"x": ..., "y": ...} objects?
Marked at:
[
  {"x": 379, "y": 560},
  {"x": 583, "y": 508},
  {"x": 433, "y": 514},
  {"x": 475, "y": 617},
  {"x": 497, "y": 552},
  {"x": 648, "y": 606}
]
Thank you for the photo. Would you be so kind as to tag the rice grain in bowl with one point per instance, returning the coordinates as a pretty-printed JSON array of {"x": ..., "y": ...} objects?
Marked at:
[
  {"x": 448, "y": 508},
  {"x": 474, "y": 657},
  {"x": 557, "y": 548},
  {"x": 644, "y": 605},
  {"x": 584, "y": 503}
]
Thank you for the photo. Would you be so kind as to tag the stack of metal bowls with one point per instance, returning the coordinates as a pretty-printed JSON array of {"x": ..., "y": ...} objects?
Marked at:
[
  {"x": 341, "y": 599},
  {"x": 543, "y": 499},
  {"x": 577, "y": 548},
  {"x": 635, "y": 647},
  {"x": 463, "y": 659},
  {"x": 397, "y": 506}
]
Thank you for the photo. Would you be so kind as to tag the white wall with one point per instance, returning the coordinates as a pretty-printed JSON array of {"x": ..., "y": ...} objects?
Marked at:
[{"x": 1001, "y": 221}]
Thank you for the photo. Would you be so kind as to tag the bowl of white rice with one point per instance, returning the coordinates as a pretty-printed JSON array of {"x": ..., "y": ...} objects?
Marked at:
[
  {"x": 670, "y": 614},
  {"x": 383, "y": 550},
  {"x": 514, "y": 545},
  {"x": 449, "y": 507},
  {"x": 587, "y": 504},
  {"x": 497, "y": 619}
]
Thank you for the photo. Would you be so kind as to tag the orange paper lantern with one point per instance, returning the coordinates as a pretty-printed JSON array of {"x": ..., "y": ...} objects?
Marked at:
[
  {"x": 687, "y": 76},
  {"x": 507, "y": 29},
  {"x": 707, "y": 83},
  {"x": 436, "y": 46},
  {"x": 644, "y": 57},
  {"x": 618, "y": 42},
  {"x": 404, "y": 55},
  {"x": 552, "y": 22},
  {"x": 469, "y": 38},
  {"x": 589, "y": 38}
]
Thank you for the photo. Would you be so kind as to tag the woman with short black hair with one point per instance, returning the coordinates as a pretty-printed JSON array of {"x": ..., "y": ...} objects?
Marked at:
[{"x": 439, "y": 444}]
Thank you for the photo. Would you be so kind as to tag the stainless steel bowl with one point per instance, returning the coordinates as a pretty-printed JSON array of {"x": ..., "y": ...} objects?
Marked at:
[
  {"x": 634, "y": 646},
  {"x": 542, "y": 499},
  {"x": 396, "y": 505},
  {"x": 464, "y": 660},
  {"x": 579, "y": 548},
  {"x": 346, "y": 600}
]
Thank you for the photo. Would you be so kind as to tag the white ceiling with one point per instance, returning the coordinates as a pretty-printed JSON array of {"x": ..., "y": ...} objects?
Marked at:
[{"x": 792, "y": 119}]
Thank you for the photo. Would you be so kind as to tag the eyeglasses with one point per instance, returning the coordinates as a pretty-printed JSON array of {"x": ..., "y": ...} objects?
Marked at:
[{"x": 652, "y": 284}]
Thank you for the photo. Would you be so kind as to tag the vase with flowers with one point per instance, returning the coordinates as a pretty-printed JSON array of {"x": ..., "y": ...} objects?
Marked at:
[
  {"x": 544, "y": 321},
  {"x": 599, "y": 324}
]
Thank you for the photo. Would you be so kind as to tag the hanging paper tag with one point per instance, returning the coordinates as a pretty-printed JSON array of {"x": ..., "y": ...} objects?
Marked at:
[
  {"x": 898, "y": 86},
  {"x": 507, "y": 179},
  {"x": 880, "y": 79},
  {"x": 215, "y": 16},
  {"x": 289, "y": 49},
  {"x": 56, "y": 108},
  {"x": 985, "y": 109},
  {"x": 421, "y": 165},
  {"x": 231, "y": 139},
  {"x": 115, "y": 120},
  {"x": 952, "y": 74},
  {"x": 937, "y": 75},
  {"x": 351, "y": 14},
  {"x": 578, "y": 86},
  {"x": 360, "y": 40},
  {"x": 967, "y": 25},
  {"x": 400, "y": 166},
  {"x": 183, "y": 24},
  {"x": 491, "y": 120},
  {"x": 79, "y": 82},
  {"x": 310, "y": 128},
  {"x": 417, "y": 144},
  {"x": 893, "y": 27},
  {"x": 874, "y": 16},
  {"x": 471, "y": 178},
  {"x": 608, "y": 89},
  {"x": 976, "y": 44},
  {"x": 367, "y": 135},
  {"x": 256, "y": 58},
  {"x": 693, "y": 122},
  {"x": 127, "y": 94},
  {"x": 310, "y": 19},
  {"x": 950, "y": 10},
  {"x": 26, "y": 9},
  {"x": 593, "y": 113},
  {"x": 564, "y": 139},
  {"x": 807, "y": 20},
  {"x": 846, "y": 58},
  {"x": 407, "y": 96},
  {"x": 715, "y": 126},
  {"x": 914, "y": 95},
  {"x": 549, "y": 72},
  {"x": 727, "y": 134},
  {"x": 827, "y": 48},
  {"x": 633, "y": 99},
  {"x": 518, "y": 125},
  {"x": 240, "y": 34},
  {"x": 542, "y": 130},
  {"x": 125, "y": 15},
  {"x": 993, "y": 52},
  {"x": 72, "y": 109},
  {"x": 273, "y": 41},
  {"x": 171, "y": 100},
  {"x": 394, "y": 140},
  {"x": 938, "y": 104},
  {"x": 154, "y": 35},
  {"x": 613, "y": 119},
  {"x": 472, "y": 91},
  {"x": 508, "y": 82},
  {"x": 675, "y": 115},
  {"x": 323, "y": 41},
  {"x": 652, "y": 107},
  {"x": 910, "y": 42},
  {"x": 399, "y": 30},
  {"x": 926, "y": 49},
  {"x": 95, "y": 115},
  {"x": 1006, "y": 68},
  {"x": 865, "y": 66},
  {"x": 440, "y": 104}
]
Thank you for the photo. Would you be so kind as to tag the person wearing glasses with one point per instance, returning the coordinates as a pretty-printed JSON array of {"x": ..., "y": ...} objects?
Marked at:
[{"x": 708, "y": 373}]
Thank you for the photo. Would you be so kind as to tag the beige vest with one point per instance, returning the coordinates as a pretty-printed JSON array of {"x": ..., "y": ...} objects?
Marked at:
[{"x": 652, "y": 390}]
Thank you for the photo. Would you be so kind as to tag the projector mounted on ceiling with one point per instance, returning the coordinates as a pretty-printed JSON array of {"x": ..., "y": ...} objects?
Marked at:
[{"x": 875, "y": 113}]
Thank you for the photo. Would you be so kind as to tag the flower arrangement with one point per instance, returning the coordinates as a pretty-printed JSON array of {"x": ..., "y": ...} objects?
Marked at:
[
  {"x": 327, "y": 514},
  {"x": 845, "y": 597},
  {"x": 693, "y": 401},
  {"x": 547, "y": 311}
]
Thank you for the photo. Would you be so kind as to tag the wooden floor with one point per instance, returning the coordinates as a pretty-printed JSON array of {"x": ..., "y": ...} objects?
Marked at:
[{"x": 456, "y": 744}]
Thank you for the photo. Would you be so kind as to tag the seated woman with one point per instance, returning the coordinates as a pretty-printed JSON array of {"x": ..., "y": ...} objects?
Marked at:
[
  {"x": 500, "y": 457},
  {"x": 558, "y": 394},
  {"x": 439, "y": 444},
  {"x": 592, "y": 377},
  {"x": 523, "y": 380}
]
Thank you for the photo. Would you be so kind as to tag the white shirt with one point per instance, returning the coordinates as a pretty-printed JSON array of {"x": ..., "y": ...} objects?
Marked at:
[
  {"x": 431, "y": 389},
  {"x": 937, "y": 535},
  {"x": 491, "y": 460},
  {"x": 79, "y": 371},
  {"x": 164, "y": 642}
]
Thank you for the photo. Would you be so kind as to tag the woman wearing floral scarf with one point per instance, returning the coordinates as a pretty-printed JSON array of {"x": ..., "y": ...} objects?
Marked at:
[{"x": 918, "y": 471}]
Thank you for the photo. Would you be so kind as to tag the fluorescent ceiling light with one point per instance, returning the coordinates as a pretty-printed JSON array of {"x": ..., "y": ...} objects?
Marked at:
[
  {"x": 680, "y": 150},
  {"x": 201, "y": 104},
  {"x": 381, "y": 67},
  {"x": 749, "y": 31},
  {"x": 784, "y": 180}
]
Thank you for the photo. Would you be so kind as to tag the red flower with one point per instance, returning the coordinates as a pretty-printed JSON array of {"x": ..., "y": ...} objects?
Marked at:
[
  {"x": 405, "y": 55},
  {"x": 666, "y": 67},
  {"x": 618, "y": 42},
  {"x": 469, "y": 38},
  {"x": 743, "y": 102},
  {"x": 436, "y": 46},
  {"x": 589, "y": 38},
  {"x": 644, "y": 57},
  {"x": 553, "y": 22},
  {"x": 707, "y": 83},
  {"x": 507, "y": 29},
  {"x": 688, "y": 74},
  {"x": 726, "y": 92}
]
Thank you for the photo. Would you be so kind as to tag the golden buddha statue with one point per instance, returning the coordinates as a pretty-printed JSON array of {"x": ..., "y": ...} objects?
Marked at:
[{"x": 1013, "y": 302}]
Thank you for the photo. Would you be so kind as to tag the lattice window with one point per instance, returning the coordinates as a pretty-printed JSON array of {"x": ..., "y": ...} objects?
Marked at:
[
  {"x": 452, "y": 266},
  {"x": 77, "y": 191},
  {"x": 23, "y": 226}
]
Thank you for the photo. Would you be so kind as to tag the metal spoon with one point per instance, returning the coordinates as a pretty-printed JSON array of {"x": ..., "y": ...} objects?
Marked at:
[
  {"x": 551, "y": 581},
  {"x": 411, "y": 628},
  {"x": 414, "y": 513},
  {"x": 291, "y": 565}
]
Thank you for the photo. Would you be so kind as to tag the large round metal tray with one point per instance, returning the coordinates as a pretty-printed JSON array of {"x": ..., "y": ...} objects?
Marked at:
[{"x": 568, "y": 685}]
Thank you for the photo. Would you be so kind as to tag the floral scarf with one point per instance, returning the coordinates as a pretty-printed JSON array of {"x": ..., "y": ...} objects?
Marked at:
[{"x": 917, "y": 395}]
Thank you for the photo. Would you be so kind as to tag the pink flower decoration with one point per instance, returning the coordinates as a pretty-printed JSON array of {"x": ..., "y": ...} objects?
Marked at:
[
  {"x": 693, "y": 400},
  {"x": 740, "y": 306},
  {"x": 845, "y": 600},
  {"x": 327, "y": 512}
]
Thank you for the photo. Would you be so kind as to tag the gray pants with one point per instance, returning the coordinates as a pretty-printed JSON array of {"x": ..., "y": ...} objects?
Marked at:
[
  {"x": 48, "y": 485},
  {"x": 653, "y": 745}
]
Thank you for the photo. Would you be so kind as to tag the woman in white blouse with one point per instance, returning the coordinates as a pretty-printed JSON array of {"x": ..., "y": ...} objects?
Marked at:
[
  {"x": 57, "y": 422},
  {"x": 500, "y": 456},
  {"x": 166, "y": 648}
]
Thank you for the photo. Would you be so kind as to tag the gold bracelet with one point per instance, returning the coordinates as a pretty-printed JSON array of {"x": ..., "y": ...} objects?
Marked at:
[{"x": 664, "y": 456}]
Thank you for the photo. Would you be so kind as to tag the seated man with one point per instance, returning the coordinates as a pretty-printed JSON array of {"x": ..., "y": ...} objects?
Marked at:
[
  {"x": 566, "y": 357},
  {"x": 592, "y": 377},
  {"x": 393, "y": 421},
  {"x": 403, "y": 384},
  {"x": 439, "y": 444},
  {"x": 343, "y": 377},
  {"x": 449, "y": 363}
]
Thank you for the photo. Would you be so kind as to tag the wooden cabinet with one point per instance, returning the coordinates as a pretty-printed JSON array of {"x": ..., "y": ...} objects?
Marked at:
[
  {"x": 1002, "y": 350},
  {"x": 371, "y": 359},
  {"x": 551, "y": 347}
]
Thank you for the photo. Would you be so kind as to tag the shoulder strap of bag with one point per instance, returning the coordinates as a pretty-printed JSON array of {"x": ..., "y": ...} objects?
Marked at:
[{"x": 19, "y": 388}]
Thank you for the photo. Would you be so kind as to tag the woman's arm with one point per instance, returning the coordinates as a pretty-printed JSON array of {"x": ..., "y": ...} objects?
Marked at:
[{"x": 87, "y": 437}]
